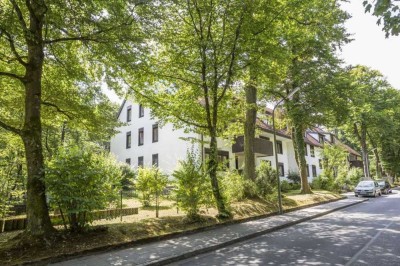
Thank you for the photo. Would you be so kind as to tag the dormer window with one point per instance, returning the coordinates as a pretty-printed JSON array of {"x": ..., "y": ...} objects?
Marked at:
[{"x": 321, "y": 138}]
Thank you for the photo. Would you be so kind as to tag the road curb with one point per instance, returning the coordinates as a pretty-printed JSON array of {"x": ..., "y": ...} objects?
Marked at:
[
  {"x": 200, "y": 251},
  {"x": 135, "y": 243}
]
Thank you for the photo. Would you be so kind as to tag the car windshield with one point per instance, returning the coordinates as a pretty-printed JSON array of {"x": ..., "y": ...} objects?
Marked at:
[{"x": 366, "y": 184}]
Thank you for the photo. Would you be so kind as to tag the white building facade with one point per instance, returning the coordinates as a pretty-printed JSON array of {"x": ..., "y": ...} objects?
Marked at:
[{"x": 142, "y": 141}]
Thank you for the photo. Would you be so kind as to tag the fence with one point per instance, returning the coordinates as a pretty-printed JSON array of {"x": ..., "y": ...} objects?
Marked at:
[{"x": 7, "y": 225}]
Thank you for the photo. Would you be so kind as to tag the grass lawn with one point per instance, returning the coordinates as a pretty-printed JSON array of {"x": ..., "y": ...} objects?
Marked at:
[{"x": 106, "y": 233}]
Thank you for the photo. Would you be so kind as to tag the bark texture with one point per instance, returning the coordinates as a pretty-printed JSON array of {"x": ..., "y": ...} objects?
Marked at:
[
  {"x": 298, "y": 132},
  {"x": 250, "y": 131},
  {"x": 37, "y": 211},
  {"x": 361, "y": 133}
]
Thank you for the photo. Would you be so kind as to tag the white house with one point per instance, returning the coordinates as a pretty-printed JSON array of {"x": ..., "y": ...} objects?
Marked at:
[{"x": 143, "y": 142}]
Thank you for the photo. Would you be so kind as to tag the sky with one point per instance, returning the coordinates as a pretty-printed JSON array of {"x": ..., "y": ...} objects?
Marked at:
[{"x": 370, "y": 47}]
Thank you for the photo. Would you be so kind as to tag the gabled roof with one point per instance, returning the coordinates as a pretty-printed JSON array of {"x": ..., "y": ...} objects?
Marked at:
[
  {"x": 268, "y": 128},
  {"x": 309, "y": 139},
  {"x": 348, "y": 148},
  {"x": 121, "y": 107},
  {"x": 336, "y": 140}
]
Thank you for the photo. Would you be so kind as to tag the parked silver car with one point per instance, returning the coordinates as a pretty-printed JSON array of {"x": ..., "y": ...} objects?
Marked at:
[
  {"x": 385, "y": 186},
  {"x": 367, "y": 188}
]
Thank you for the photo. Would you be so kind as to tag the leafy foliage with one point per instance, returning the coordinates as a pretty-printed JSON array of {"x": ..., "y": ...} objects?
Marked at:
[
  {"x": 349, "y": 179},
  {"x": 150, "y": 183},
  {"x": 388, "y": 13},
  {"x": 81, "y": 180},
  {"x": 233, "y": 186},
  {"x": 334, "y": 160},
  {"x": 266, "y": 180},
  {"x": 128, "y": 177},
  {"x": 12, "y": 172},
  {"x": 294, "y": 177},
  {"x": 192, "y": 187}
]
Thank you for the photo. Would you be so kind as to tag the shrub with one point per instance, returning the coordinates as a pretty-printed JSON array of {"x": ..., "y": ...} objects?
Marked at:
[
  {"x": 128, "y": 177},
  {"x": 347, "y": 179},
  {"x": 193, "y": 188},
  {"x": 150, "y": 183},
  {"x": 294, "y": 177},
  {"x": 79, "y": 181},
  {"x": 233, "y": 186},
  {"x": 286, "y": 186},
  {"x": 295, "y": 186},
  {"x": 354, "y": 175},
  {"x": 266, "y": 180},
  {"x": 325, "y": 183},
  {"x": 250, "y": 189}
]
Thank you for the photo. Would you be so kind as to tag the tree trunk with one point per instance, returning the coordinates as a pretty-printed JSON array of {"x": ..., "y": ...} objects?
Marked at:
[
  {"x": 377, "y": 157},
  {"x": 298, "y": 145},
  {"x": 250, "y": 131},
  {"x": 212, "y": 168},
  {"x": 37, "y": 211},
  {"x": 361, "y": 134}
]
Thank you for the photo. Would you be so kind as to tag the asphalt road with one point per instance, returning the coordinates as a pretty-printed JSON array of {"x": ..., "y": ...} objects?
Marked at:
[{"x": 365, "y": 234}]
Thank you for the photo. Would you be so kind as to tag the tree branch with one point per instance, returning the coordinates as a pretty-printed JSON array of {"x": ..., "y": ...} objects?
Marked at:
[
  {"x": 12, "y": 75},
  {"x": 90, "y": 37},
  {"x": 77, "y": 38},
  {"x": 233, "y": 56},
  {"x": 20, "y": 16},
  {"x": 10, "y": 128},
  {"x": 66, "y": 113},
  {"x": 174, "y": 113},
  {"x": 12, "y": 46}
]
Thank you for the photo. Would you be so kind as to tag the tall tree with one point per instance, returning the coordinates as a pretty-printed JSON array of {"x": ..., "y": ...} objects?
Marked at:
[
  {"x": 190, "y": 76},
  {"x": 312, "y": 39},
  {"x": 369, "y": 104},
  {"x": 42, "y": 44}
]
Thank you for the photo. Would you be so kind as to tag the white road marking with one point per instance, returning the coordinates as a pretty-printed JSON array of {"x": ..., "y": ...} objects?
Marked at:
[{"x": 355, "y": 257}]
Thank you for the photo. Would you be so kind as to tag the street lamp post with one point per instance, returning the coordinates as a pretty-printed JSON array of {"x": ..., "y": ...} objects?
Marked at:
[{"x": 276, "y": 147}]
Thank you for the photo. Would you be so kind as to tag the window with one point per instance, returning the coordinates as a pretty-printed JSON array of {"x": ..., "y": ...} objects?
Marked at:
[
  {"x": 140, "y": 161},
  {"x": 141, "y": 136},
  {"x": 305, "y": 149},
  {"x": 320, "y": 163},
  {"x": 314, "y": 170},
  {"x": 312, "y": 151},
  {"x": 129, "y": 114},
  {"x": 321, "y": 138},
  {"x": 279, "y": 147},
  {"x": 308, "y": 170},
  {"x": 155, "y": 133},
  {"x": 154, "y": 160},
  {"x": 128, "y": 161},
  {"x": 141, "y": 110},
  {"x": 281, "y": 169},
  {"x": 236, "y": 163},
  {"x": 128, "y": 139}
]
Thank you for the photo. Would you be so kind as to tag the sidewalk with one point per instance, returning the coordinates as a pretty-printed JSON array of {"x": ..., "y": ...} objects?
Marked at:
[{"x": 168, "y": 251}]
